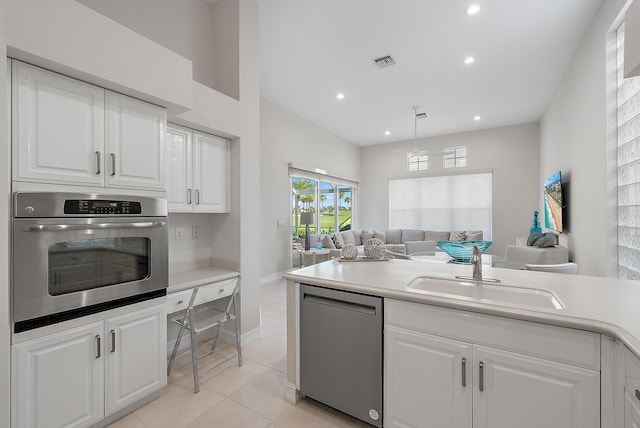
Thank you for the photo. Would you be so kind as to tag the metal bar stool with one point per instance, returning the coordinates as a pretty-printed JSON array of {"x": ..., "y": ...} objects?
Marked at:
[{"x": 201, "y": 318}]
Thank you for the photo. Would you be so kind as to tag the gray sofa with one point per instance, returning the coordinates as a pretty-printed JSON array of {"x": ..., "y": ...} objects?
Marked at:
[{"x": 394, "y": 239}]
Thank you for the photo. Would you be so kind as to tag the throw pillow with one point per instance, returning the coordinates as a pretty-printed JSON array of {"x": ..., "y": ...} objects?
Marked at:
[
  {"x": 457, "y": 236},
  {"x": 327, "y": 242},
  {"x": 337, "y": 241},
  {"x": 394, "y": 236},
  {"x": 357, "y": 234},
  {"x": 366, "y": 235},
  {"x": 348, "y": 238},
  {"x": 380, "y": 235},
  {"x": 474, "y": 236}
]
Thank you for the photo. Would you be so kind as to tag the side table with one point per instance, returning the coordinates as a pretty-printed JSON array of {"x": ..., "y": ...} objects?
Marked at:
[{"x": 313, "y": 253}]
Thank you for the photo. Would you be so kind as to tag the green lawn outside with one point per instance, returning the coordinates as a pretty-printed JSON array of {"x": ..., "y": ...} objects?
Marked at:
[{"x": 326, "y": 223}]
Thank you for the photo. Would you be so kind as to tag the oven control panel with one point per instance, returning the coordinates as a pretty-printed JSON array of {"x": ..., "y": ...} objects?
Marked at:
[{"x": 95, "y": 206}]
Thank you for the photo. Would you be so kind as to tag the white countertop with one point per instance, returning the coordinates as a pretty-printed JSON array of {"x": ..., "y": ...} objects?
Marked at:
[
  {"x": 193, "y": 278},
  {"x": 602, "y": 305}
]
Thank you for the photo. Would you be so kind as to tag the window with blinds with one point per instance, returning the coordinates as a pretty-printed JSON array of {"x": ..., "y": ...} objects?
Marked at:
[
  {"x": 628, "y": 158},
  {"x": 454, "y": 202}
]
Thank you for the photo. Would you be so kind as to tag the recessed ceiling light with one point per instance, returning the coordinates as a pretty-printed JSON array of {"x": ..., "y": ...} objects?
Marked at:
[
  {"x": 472, "y": 9},
  {"x": 476, "y": 118},
  {"x": 469, "y": 60},
  {"x": 340, "y": 96},
  {"x": 387, "y": 132}
]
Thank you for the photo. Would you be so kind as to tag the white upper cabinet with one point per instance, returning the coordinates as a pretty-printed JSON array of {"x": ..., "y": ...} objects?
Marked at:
[
  {"x": 65, "y": 131},
  {"x": 210, "y": 173},
  {"x": 135, "y": 143},
  {"x": 179, "y": 168},
  {"x": 57, "y": 127},
  {"x": 197, "y": 171}
]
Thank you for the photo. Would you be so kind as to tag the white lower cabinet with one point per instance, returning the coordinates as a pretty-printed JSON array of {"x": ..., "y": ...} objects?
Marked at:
[
  {"x": 632, "y": 405},
  {"x": 436, "y": 381},
  {"x": 76, "y": 377},
  {"x": 425, "y": 380},
  {"x": 628, "y": 388}
]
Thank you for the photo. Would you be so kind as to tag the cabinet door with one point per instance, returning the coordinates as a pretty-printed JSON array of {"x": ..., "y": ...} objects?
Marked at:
[
  {"x": 57, "y": 380},
  {"x": 211, "y": 173},
  {"x": 527, "y": 392},
  {"x": 428, "y": 380},
  {"x": 57, "y": 128},
  {"x": 179, "y": 169},
  {"x": 632, "y": 404},
  {"x": 135, "y": 350},
  {"x": 135, "y": 143}
]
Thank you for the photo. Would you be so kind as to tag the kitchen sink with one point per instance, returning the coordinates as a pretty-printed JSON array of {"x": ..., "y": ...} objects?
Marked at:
[{"x": 471, "y": 291}]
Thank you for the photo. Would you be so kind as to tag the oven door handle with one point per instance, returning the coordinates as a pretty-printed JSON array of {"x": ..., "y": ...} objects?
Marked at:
[{"x": 100, "y": 226}]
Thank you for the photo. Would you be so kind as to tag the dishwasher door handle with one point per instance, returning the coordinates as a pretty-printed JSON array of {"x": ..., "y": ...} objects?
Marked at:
[{"x": 341, "y": 304}]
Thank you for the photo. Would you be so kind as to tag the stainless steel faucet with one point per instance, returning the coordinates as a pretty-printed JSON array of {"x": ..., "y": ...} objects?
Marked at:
[{"x": 476, "y": 261}]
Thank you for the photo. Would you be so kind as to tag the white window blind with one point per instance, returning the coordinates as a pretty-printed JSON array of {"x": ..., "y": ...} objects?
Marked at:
[
  {"x": 628, "y": 106},
  {"x": 455, "y": 202}
]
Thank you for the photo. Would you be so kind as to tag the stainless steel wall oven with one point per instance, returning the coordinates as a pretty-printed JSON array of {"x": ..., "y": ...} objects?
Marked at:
[{"x": 76, "y": 254}]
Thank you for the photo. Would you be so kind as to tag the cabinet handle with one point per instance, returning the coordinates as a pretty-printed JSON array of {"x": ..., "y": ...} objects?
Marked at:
[
  {"x": 97, "y": 346},
  {"x": 188, "y": 196},
  {"x": 637, "y": 394},
  {"x": 113, "y": 341},
  {"x": 464, "y": 372},
  {"x": 481, "y": 383},
  {"x": 113, "y": 164},
  {"x": 197, "y": 197},
  {"x": 98, "y": 162}
]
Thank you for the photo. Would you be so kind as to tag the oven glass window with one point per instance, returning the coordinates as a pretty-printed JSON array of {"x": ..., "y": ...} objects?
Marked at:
[{"x": 92, "y": 263}]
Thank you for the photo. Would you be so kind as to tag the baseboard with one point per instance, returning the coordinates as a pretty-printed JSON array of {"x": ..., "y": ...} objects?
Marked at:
[
  {"x": 250, "y": 336},
  {"x": 271, "y": 278},
  {"x": 291, "y": 393}
]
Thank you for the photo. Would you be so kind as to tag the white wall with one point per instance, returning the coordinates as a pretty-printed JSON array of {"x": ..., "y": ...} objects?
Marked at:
[
  {"x": 208, "y": 33},
  {"x": 286, "y": 137},
  {"x": 510, "y": 152},
  {"x": 573, "y": 139},
  {"x": 72, "y": 39}
]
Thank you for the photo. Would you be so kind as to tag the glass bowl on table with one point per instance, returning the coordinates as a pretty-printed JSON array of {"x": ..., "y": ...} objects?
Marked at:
[{"x": 462, "y": 251}]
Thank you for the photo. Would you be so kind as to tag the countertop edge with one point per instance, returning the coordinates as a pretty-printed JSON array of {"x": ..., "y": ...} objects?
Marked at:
[
  {"x": 190, "y": 279},
  {"x": 559, "y": 320}
]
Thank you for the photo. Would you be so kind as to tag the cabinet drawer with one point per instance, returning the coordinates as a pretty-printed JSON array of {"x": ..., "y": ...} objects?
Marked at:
[
  {"x": 565, "y": 345},
  {"x": 217, "y": 290},
  {"x": 178, "y": 301}
]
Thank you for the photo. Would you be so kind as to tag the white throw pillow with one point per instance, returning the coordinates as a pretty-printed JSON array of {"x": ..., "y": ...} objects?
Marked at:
[{"x": 348, "y": 238}]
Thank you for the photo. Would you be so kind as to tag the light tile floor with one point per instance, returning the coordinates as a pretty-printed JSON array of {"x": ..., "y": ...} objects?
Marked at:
[{"x": 251, "y": 396}]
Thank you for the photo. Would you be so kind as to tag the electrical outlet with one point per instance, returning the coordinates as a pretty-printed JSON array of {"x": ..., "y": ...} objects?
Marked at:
[
  {"x": 195, "y": 232},
  {"x": 179, "y": 232}
]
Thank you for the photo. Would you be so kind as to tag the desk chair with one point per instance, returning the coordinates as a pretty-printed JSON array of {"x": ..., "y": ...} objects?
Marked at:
[{"x": 201, "y": 318}]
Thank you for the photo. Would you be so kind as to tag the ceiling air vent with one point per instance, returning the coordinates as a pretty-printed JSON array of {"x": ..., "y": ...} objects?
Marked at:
[{"x": 384, "y": 61}]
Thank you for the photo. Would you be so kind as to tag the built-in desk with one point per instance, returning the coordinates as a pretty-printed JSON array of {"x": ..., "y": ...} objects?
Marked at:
[{"x": 213, "y": 283}]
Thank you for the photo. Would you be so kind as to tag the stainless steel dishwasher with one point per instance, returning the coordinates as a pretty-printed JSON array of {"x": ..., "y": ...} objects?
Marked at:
[{"x": 341, "y": 351}]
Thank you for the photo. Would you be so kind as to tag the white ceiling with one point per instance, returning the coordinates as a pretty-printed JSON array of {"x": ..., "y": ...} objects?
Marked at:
[{"x": 312, "y": 49}]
